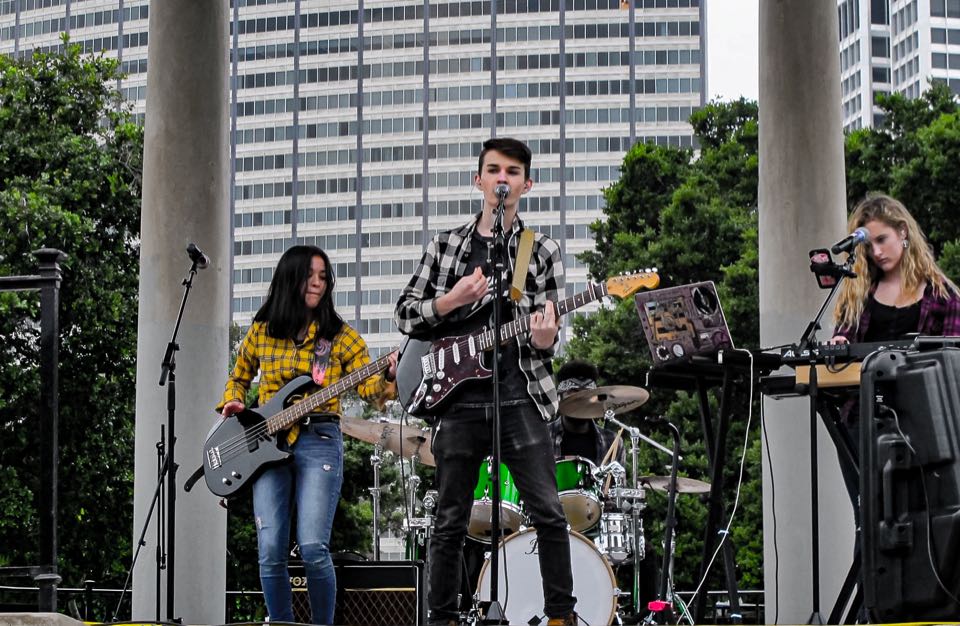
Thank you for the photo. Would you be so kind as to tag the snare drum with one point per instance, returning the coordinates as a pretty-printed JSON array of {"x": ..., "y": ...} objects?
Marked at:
[
  {"x": 511, "y": 514},
  {"x": 579, "y": 492}
]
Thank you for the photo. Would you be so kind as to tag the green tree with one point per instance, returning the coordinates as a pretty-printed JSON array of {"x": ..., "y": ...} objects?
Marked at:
[{"x": 70, "y": 166}]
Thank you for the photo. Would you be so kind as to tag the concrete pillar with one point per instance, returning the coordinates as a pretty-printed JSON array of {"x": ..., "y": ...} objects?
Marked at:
[
  {"x": 802, "y": 206},
  {"x": 185, "y": 199}
]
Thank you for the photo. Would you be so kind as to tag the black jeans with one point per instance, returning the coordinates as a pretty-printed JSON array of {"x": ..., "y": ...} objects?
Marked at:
[{"x": 461, "y": 441}]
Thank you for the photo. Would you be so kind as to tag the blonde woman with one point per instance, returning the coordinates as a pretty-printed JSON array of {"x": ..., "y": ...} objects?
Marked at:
[{"x": 899, "y": 289}]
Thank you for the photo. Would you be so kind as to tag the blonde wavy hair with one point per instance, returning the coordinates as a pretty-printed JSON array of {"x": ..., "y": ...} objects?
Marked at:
[{"x": 917, "y": 265}]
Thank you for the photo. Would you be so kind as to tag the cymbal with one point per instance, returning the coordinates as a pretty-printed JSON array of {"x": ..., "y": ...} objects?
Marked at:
[
  {"x": 684, "y": 484},
  {"x": 592, "y": 403},
  {"x": 415, "y": 440}
]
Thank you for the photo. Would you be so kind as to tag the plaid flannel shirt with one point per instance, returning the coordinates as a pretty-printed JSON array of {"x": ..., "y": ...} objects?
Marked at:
[
  {"x": 281, "y": 360},
  {"x": 938, "y": 316},
  {"x": 444, "y": 262}
]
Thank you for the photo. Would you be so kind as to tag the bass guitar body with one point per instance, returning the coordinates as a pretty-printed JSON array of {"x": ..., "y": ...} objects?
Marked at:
[{"x": 239, "y": 448}]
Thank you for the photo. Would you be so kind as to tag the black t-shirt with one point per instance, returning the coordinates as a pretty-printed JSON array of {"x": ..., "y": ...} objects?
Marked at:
[
  {"x": 513, "y": 383},
  {"x": 580, "y": 444},
  {"x": 890, "y": 322}
]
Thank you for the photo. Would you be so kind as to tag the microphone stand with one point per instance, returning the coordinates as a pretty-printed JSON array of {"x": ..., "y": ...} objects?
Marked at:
[
  {"x": 494, "y": 613},
  {"x": 167, "y": 472},
  {"x": 808, "y": 343},
  {"x": 168, "y": 370}
]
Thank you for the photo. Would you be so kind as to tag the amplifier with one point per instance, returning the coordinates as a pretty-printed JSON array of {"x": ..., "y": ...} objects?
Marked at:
[{"x": 369, "y": 593}]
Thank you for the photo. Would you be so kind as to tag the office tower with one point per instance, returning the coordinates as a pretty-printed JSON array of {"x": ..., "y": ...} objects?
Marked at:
[
  {"x": 356, "y": 124},
  {"x": 895, "y": 46}
]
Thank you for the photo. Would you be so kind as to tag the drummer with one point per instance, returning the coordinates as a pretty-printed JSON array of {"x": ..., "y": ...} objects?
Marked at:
[
  {"x": 581, "y": 437},
  {"x": 584, "y": 438}
]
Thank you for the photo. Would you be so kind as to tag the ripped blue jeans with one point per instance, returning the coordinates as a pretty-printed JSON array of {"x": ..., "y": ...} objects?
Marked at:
[{"x": 311, "y": 483}]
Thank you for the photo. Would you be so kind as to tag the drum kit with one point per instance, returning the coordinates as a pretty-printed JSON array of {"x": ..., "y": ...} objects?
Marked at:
[{"x": 602, "y": 507}]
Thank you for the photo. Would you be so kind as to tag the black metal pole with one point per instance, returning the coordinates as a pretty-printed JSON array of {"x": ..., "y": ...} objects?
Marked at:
[
  {"x": 49, "y": 421},
  {"x": 494, "y": 613},
  {"x": 807, "y": 341}
]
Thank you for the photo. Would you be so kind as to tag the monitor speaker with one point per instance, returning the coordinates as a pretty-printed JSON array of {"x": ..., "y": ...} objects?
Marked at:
[{"x": 910, "y": 484}]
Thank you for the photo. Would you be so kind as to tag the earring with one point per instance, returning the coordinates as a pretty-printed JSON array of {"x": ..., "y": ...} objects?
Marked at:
[{"x": 905, "y": 244}]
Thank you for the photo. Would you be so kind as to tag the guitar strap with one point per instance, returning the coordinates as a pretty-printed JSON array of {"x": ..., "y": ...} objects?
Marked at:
[
  {"x": 318, "y": 371},
  {"x": 523, "y": 264}
]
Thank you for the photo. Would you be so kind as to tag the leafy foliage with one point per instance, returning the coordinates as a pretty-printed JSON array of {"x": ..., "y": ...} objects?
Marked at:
[
  {"x": 913, "y": 155},
  {"x": 70, "y": 164}
]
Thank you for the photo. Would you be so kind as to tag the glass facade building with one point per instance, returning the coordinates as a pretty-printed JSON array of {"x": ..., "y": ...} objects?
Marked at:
[
  {"x": 356, "y": 124},
  {"x": 895, "y": 46}
]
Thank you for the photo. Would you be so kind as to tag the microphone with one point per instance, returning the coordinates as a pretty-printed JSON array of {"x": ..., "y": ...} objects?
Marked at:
[
  {"x": 502, "y": 191},
  {"x": 197, "y": 256},
  {"x": 851, "y": 241}
]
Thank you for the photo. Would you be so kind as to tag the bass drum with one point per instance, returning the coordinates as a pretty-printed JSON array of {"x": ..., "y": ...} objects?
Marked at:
[{"x": 594, "y": 584}]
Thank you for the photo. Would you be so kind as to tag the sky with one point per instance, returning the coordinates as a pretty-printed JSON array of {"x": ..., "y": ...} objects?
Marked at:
[{"x": 733, "y": 49}]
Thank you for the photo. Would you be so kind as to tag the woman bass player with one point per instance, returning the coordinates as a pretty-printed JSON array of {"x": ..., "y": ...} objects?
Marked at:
[{"x": 297, "y": 332}]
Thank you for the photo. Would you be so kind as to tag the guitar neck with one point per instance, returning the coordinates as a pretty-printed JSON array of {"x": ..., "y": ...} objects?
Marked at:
[
  {"x": 522, "y": 324},
  {"x": 291, "y": 415}
]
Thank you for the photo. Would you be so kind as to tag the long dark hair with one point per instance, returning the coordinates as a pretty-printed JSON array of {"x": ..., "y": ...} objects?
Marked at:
[{"x": 284, "y": 310}]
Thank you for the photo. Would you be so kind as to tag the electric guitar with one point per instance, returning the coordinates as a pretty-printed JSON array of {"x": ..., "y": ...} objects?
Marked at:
[
  {"x": 240, "y": 447},
  {"x": 428, "y": 371}
]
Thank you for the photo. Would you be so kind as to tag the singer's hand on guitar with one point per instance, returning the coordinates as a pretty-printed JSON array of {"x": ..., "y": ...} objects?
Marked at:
[
  {"x": 391, "y": 373},
  {"x": 544, "y": 327},
  {"x": 468, "y": 290},
  {"x": 838, "y": 339},
  {"x": 232, "y": 407}
]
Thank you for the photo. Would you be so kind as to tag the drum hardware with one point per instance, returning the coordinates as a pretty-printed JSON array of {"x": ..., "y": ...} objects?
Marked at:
[
  {"x": 636, "y": 432},
  {"x": 375, "y": 460},
  {"x": 627, "y": 493},
  {"x": 415, "y": 441},
  {"x": 389, "y": 437},
  {"x": 635, "y": 496},
  {"x": 661, "y": 609}
]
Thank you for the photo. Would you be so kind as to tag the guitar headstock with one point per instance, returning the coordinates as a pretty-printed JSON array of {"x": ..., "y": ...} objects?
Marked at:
[{"x": 628, "y": 284}]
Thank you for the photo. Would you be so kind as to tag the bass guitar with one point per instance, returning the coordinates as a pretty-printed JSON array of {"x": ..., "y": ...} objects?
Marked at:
[
  {"x": 240, "y": 447},
  {"x": 428, "y": 371}
]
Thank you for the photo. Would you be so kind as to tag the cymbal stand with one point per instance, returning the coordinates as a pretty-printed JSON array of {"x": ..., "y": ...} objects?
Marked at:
[
  {"x": 636, "y": 434},
  {"x": 661, "y": 609},
  {"x": 413, "y": 484},
  {"x": 375, "y": 460},
  {"x": 412, "y": 524}
]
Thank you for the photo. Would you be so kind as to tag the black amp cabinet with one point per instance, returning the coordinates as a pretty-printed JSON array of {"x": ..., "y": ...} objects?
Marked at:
[
  {"x": 910, "y": 484},
  {"x": 369, "y": 593}
]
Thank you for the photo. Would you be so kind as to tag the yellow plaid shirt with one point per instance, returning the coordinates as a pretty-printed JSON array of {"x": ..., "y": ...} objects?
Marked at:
[{"x": 281, "y": 360}]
